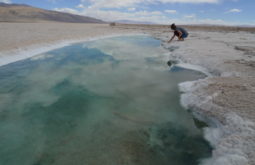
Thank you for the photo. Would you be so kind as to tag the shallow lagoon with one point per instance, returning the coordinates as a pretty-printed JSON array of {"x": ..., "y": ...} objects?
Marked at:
[{"x": 112, "y": 101}]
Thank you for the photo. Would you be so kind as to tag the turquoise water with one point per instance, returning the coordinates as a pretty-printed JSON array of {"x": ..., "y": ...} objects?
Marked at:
[{"x": 111, "y": 101}]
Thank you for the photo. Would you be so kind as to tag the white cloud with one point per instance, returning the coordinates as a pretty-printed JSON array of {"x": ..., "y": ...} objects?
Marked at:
[
  {"x": 171, "y": 11},
  {"x": 67, "y": 10},
  {"x": 131, "y": 9},
  {"x": 81, "y": 6},
  {"x": 134, "y": 3},
  {"x": 188, "y": 1},
  {"x": 114, "y": 3},
  {"x": 6, "y": 1},
  {"x": 144, "y": 16},
  {"x": 191, "y": 16},
  {"x": 234, "y": 11},
  {"x": 113, "y": 15}
]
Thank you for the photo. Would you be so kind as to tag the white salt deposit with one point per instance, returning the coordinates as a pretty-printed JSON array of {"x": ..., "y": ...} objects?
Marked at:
[
  {"x": 233, "y": 140},
  {"x": 11, "y": 56},
  {"x": 232, "y": 136},
  {"x": 194, "y": 67}
]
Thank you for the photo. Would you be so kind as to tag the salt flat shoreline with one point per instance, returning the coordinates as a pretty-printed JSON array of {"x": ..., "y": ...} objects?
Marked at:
[
  {"x": 23, "y": 40},
  {"x": 226, "y": 99}
]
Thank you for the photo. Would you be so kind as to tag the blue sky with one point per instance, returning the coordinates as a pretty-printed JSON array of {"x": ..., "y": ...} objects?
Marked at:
[{"x": 228, "y": 12}]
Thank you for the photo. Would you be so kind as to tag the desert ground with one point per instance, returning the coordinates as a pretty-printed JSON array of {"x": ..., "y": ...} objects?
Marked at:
[{"x": 225, "y": 99}]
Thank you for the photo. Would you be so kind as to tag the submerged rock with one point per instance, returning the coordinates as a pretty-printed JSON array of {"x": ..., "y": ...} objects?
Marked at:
[{"x": 171, "y": 62}]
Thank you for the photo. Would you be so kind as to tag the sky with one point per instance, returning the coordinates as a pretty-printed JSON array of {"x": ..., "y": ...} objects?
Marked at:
[{"x": 224, "y": 12}]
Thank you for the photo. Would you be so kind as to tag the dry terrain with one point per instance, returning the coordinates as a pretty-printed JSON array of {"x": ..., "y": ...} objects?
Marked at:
[{"x": 225, "y": 99}]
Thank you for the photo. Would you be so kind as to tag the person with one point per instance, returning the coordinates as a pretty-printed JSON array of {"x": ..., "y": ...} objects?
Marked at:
[{"x": 179, "y": 32}]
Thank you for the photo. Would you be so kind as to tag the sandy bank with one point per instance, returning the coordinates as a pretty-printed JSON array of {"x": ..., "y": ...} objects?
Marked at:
[{"x": 23, "y": 40}]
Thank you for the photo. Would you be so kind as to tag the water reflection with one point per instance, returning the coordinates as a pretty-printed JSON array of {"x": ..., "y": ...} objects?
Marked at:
[{"x": 110, "y": 101}]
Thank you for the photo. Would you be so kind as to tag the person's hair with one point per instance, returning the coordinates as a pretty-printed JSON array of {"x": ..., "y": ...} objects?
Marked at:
[{"x": 173, "y": 26}]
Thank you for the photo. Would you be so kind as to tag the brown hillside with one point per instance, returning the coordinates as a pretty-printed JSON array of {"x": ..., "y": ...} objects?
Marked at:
[{"x": 25, "y": 13}]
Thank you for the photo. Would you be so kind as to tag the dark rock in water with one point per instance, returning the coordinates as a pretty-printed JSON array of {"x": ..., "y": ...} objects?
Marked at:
[
  {"x": 200, "y": 124},
  {"x": 171, "y": 62}
]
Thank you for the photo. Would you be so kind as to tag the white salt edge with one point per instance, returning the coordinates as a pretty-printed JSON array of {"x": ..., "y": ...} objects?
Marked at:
[
  {"x": 7, "y": 57},
  {"x": 229, "y": 140},
  {"x": 194, "y": 67},
  {"x": 233, "y": 140}
]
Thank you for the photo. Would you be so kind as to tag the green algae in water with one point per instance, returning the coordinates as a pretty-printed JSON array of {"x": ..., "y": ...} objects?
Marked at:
[{"x": 111, "y": 102}]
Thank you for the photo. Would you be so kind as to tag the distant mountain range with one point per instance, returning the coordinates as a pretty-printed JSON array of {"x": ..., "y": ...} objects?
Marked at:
[
  {"x": 133, "y": 22},
  {"x": 26, "y": 13}
]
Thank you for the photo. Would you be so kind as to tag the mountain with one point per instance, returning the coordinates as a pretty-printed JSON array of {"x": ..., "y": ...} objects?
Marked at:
[
  {"x": 133, "y": 22},
  {"x": 26, "y": 13}
]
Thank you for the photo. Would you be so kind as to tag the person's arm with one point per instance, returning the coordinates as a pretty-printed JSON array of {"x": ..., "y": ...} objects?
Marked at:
[
  {"x": 180, "y": 36},
  {"x": 171, "y": 38}
]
